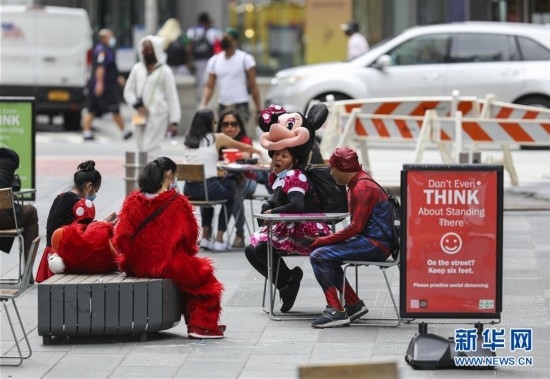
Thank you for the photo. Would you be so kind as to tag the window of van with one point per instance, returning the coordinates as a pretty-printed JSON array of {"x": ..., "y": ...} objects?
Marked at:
[{"x": 478, "y": 47}]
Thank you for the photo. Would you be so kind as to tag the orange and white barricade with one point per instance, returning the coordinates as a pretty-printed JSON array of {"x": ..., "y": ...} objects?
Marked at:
[
  {"x": 341, "y": 111},
  {"x": 490, "y": 108}
]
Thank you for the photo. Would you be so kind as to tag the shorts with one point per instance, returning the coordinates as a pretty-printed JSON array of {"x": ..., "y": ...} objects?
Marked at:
[{"x": 106, "y": 103}]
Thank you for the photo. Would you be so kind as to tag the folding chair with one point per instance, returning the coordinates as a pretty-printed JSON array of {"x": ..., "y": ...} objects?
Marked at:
[
  {"x": 382, "y": 266},
  {"x": 7, "y": 203},
  {"x": 195, "y": 173},
  {"x": 252, "y": 198},
  {"x": 9, "y": 292}
]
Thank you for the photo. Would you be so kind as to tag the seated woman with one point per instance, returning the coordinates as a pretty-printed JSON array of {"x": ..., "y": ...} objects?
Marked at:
[
  {"x": 156, "y": 236},
  {"x": 201, "y": 146},
  {"x": 292, "y": 194},
  {"x": 83, "y": 246},
  {"x": 232, "y": 125},
  {"x": 86, "y": 184}
]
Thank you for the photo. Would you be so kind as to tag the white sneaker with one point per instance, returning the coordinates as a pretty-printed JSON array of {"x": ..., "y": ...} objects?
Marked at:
[
  {"x": 220, "y": 246},
  {"x": 206, "y": 244}
]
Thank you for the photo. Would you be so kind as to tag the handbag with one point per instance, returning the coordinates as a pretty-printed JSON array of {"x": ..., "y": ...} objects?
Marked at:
[{"x": 139, "y": 119}]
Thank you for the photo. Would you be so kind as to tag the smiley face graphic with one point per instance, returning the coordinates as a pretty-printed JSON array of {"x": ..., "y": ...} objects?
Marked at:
[{"x": 451, "y": 243}]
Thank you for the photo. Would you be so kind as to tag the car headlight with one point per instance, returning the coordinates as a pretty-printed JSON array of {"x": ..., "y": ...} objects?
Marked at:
[{"x": 286, "y": 80}]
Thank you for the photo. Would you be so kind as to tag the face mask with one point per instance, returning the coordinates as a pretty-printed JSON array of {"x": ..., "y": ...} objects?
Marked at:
[
  {"x": 282, "y": 174},
  {"x": 112, "y": 42},
  {"x": 225, "y": 44},
  {"x": 91, "y": 197},
  {"x": 173, "y": 184},
  {"x": 149, "y": 58}
]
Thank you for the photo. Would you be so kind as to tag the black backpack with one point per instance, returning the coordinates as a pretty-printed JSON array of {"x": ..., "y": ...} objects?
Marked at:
[
  {"x": 395, "y": 212},
  {"x": 331, "y": 197},
  {"x": 202, "y": 49},
  {"x": 176, "y": 54}
]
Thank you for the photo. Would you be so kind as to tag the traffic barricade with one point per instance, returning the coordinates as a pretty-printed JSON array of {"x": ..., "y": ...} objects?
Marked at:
[
  {"x": 490, "y": 108},
  {"x": 341, "y": 111}
]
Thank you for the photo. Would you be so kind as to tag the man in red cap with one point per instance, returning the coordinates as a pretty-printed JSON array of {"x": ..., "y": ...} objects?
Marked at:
[{"x": 366, "y": 238}]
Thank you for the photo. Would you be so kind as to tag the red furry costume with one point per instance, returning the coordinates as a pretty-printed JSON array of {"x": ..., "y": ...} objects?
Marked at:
[
  {"x": 82, "y": 247},
  {"x": 166, "y": 247}
]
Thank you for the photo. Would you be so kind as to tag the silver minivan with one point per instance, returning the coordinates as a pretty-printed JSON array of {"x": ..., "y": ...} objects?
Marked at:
[{"x": 509, "y": 60}]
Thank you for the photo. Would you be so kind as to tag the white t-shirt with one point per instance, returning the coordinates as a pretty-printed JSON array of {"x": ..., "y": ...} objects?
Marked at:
[
  {"x": 357, "y": 45},
  {"x": 231, "y": 76},
  {"x": 205, "y": 154}
]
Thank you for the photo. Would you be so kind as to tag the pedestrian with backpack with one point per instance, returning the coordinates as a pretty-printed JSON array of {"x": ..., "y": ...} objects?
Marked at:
[
  {"x": 368, "y": 237},
  {"x": 204, "y": 42}
]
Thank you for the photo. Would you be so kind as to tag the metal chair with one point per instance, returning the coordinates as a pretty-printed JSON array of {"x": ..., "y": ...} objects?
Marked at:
[
  {"x": 251, "y": 199},
  {"x": 7, "y": 203},
  {"x": 195, "y": 173},
  {"x": 9, "y": 292},
  {"x": 382, "y": 266}
]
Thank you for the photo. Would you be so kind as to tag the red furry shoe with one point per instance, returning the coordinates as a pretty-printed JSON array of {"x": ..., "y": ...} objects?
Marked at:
[{"x": 197, "y": 333}]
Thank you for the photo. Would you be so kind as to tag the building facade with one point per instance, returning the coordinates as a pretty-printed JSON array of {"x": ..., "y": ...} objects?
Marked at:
[{"x": 286, "y": 33}]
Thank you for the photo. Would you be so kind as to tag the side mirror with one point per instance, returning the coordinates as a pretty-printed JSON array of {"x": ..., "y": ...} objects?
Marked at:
[{"x": 383, "y": 62}]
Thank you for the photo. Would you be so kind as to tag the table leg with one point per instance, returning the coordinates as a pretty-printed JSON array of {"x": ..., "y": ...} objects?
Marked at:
[{"x": 270, "y": 274}]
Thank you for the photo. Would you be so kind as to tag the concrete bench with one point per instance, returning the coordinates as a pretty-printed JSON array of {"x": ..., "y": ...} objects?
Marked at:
[{"x": 106, "y": 305}]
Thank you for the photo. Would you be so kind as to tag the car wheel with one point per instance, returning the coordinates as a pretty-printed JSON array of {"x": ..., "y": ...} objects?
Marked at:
[
  {"x": 71, "y": 120},
  {"x": 535, "y": 101}
]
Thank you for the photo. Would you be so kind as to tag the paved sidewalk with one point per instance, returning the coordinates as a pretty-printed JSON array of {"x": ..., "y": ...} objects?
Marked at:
[{"x": 255, "y": 346}]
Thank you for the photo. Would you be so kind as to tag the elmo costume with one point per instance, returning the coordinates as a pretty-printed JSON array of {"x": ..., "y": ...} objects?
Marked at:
[
  {"x": 82, "y": 247},
  {"x": 156, "y": 236}
]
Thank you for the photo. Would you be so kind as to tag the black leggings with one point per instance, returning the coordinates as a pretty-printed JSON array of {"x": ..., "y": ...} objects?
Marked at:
[{"x": 257, "y": 256}]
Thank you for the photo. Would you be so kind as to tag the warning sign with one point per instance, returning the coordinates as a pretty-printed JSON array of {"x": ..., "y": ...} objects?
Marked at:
[{"x": 453, "y": 243}]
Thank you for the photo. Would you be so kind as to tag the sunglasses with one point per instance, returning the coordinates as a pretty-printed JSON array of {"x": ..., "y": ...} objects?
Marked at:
[{"x": 234, "y": 124}]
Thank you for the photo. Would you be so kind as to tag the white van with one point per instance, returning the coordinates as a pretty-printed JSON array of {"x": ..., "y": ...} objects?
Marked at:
[{"x": 45, "y": 52}]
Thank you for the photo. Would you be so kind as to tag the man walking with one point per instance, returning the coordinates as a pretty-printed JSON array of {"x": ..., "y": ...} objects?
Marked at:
[
  {"x": 104, "y": 86},
  {"x": 235, "y": 73},
  {"x": 204, "y": 42},
  {"x": 357, "y": 43}
]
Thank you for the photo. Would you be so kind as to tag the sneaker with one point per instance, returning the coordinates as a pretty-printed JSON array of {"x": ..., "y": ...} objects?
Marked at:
[
  {"x": 218, "y": 246},
  {"x": 88, "y": 137},
  {"x": 238, "y": 242},
  {"x": 206, "y": 244},
  {"x": 290, "y": 291},
  {"x": 331, "y": 318},
  {"x": 357, "y": 310},
  {"x": 127, "y": 135},
  {"x": 197, "y": 333}
]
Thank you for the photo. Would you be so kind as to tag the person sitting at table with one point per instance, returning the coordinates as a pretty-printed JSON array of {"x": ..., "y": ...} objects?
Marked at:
[
  {"x": 156, "y": 237},
  {"x": 27, "y": 216},
  {"x": 201, "y": 146},
  {"x": 292, "y": 194},
  {"x": 232, "y": 125},
  {"x": 364, "y": 239}
]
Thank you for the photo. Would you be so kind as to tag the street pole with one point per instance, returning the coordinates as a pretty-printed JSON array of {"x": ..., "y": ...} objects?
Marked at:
[{"x": 151, "y": 16}]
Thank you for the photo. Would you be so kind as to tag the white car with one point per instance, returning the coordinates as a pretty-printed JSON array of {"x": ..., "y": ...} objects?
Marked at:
[{"x": 509, "y": 60}]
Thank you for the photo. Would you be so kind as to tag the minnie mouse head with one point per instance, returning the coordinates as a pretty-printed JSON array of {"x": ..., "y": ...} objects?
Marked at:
[{"x": 291, "y": 130}]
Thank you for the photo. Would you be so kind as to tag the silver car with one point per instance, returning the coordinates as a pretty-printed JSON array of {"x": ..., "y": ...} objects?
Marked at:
[{"x": 509, "y": 60}]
